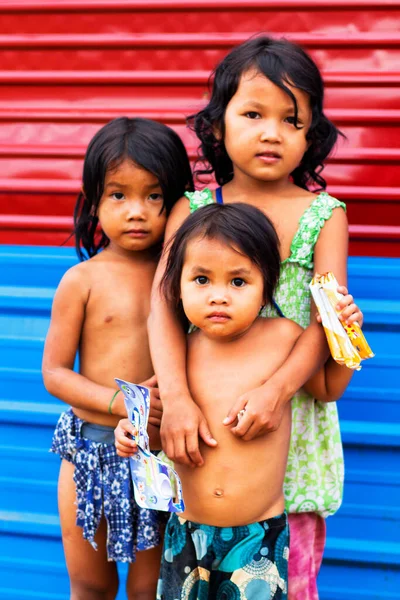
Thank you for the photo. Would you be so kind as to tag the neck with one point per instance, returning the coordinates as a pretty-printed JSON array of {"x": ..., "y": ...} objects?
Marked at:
[
  {"x": 243, "y": 185},
  {"x": 221, "y": 341},
  {"x": 145, "y": 256}
]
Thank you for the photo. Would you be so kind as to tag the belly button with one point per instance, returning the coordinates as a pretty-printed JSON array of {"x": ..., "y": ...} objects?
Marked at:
[{"x": 218, "y": 493}]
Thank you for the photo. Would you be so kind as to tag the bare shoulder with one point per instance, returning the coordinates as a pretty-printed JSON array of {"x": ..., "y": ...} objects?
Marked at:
[
  {"x": 76, "y": 281},
  {"x": 281, "y": 329},
  {"x": 178, "y": 214}
]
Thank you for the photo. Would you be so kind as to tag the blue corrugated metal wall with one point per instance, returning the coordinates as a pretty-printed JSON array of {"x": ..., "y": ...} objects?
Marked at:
[{"x": 362, "y": 557}]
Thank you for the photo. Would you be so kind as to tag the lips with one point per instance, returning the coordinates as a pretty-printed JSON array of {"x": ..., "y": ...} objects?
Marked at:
[
  {"x": 137, "y": 232},
  {"x": 269, "y": 155},
  {"x": 218, "y": 317}
]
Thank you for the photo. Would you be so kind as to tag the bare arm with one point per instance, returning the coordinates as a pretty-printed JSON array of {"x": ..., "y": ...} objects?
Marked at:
[
  {"x": 182, "y": 421},
  {"x": 310, "y": 351},
  {"x": 61, "y": 346},
  {"x": 330, "y": 382}
]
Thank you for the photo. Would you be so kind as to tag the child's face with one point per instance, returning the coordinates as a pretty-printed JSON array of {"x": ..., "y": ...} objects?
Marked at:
[
  {"x": 221, "y": 289},
  {"x": 129, "y": 209},
  {"x": 260, "y": 137}
]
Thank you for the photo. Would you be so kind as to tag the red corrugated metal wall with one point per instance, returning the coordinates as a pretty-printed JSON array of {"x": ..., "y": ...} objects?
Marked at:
[{"x": 66, "y": 67}]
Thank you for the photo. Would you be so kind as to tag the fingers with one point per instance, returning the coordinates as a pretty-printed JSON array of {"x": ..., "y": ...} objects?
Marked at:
[
  {"x": 125, "y": 447},
  {"x": 243, "y": 425},
  {"x": 167, "y": 444},
  {"x": 155, "y": 394},
  {"x": 180, "y": 454},
  {"x": 205, "y": 434},
  {"x": 151, "y": 382},
  {"x": 155, "y": 421},
  {"x": 253, "y": 432},
  {"x": 124, "y": 444},
  {"x": 156, "y": 414},
  {"x": 351, "y": 313},
  {"x": 239, "y": 405},
  {"x": 193, "y": 452},
  {"x": 156, "y": 404},
  {"x": 342, "y": 289}
]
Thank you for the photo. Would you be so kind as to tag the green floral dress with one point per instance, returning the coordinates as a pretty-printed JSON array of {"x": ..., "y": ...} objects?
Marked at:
[{"x": 315, "y": 470}]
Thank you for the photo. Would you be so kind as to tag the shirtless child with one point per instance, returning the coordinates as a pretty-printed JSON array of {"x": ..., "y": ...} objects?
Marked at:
[
  {"x": 232, "y": 541},
  {"x": 134, "y": 172}
]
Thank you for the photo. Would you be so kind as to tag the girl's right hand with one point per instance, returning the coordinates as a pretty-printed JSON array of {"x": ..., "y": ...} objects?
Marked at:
[
  {"x": 156, "y": 409},
  {"x": 124, "y": 444}
]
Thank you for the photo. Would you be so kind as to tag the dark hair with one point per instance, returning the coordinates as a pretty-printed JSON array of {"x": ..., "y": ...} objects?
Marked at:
[
  {"x": 283, "y": 63},
  {"x": 239, "y": 225},
  {"x": 150, "y": 145}
]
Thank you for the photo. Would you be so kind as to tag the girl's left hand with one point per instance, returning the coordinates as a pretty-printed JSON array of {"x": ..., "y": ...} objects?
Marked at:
[{"x": 349, "y": 311}]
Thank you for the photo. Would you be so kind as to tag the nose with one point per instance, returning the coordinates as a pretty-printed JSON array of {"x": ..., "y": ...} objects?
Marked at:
[
  {"x": 271, "y": 131},
  {"x": 218, "y": 296},
  {"x": 136, "y": 210}
]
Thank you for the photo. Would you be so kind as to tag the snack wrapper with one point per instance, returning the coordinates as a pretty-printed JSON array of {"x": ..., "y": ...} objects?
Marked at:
[
  {"x": 156, "y": 484},
  {"x": 347, "y": 343}
]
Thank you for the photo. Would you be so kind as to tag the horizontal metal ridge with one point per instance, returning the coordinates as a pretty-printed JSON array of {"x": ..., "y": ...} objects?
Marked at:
[
  {"x": 65, "y": 225},
  {"x": 353, "y": 39},
  {"x": 345, "y": 592},
  {"x": 195, "y": 77},
  {"x": 191, "y": 5},
  {"x": 26, "y": 292},
  {"x": 40, "y": 410},
  {"x": 368, "y": 433},
  {"x": 53, "y": 151},
  {"x": 68, "y": 186},
  {"x": 374, "y": 232},
  {"x": 24, "y": 522},
  {"x": 382, "y": 310},
  {"x": 85, "y": 114},
  {"x": 18, "y": 594},
  {"x": 353, "y": 550}
]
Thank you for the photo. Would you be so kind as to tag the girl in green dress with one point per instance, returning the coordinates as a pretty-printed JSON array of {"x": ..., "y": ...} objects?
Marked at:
[{"x": 264, "y": 136}]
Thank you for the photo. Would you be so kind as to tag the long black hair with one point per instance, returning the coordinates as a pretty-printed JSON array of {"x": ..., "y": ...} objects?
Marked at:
[
  {"x": 243, "y": 227},
  {"x": 284, "y": 63},
  {"x": 150, "y": 145}
]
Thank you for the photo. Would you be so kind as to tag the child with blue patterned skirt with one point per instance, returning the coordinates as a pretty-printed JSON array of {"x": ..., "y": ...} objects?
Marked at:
[
  {"x": 232, "y": 540},
  {"x": 134, "y": 172}
]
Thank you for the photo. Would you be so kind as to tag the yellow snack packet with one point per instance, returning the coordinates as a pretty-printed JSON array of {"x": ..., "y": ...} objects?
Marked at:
[{"x": 347, "y": 343}]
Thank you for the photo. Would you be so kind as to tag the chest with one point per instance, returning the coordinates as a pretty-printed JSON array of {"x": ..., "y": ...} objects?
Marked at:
[
  {"x": 217, "y": 379},
  {"x": 119, "y": 300},
  {"x": 287, "y": 225}
]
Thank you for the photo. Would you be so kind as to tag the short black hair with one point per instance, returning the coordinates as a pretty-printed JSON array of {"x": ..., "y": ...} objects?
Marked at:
[
  {"x": 150, "y": 145},
  {"x": 241, "y": 226},
  {"x": 284, "y": 63}
]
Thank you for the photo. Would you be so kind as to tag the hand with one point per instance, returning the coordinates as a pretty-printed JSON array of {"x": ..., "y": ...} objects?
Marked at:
[
  {"x": 156, "y": 409},
  {"x": 350, "y": 313},
  {"x": 124, "y": 444},
  {"x": 181, "y": 425},
  {"x": 263, "y": 410}
]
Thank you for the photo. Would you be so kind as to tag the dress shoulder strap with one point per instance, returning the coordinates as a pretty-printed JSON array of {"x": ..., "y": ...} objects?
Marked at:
[
  {"x": 199, "y": 198},
  {"x": 310, "y": 225}
]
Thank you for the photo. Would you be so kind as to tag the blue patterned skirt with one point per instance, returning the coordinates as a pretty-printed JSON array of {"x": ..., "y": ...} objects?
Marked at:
[
  {"x": 104, "y": 485},
  {"x": 203, "y": 562}
]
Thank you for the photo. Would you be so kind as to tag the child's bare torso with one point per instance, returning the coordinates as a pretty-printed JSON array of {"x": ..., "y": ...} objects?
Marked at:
[
  {"x": 114, "y": 340},
  {"x": 241, "y": 482}
]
